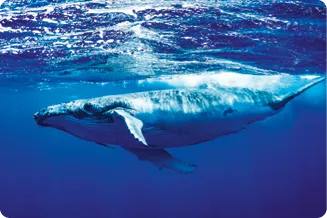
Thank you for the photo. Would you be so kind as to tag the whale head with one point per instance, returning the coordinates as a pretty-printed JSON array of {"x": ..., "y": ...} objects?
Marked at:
[
  {"x": 104, "y": 120},
  {"x": 44, "y": 116},
  {"x": 80, "y": 115}
]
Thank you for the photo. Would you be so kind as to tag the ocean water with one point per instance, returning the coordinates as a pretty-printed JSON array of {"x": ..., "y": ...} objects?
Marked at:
[{"x": 57, "y": 51}]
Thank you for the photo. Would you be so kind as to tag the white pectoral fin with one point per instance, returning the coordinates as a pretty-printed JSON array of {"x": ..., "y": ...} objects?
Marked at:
[
  {"x": 133, "y": 124},
  {"x": 162, "y": 159}
]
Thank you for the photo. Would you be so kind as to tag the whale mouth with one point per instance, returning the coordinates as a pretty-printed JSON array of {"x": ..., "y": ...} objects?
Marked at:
[{"x": 40, "y": 119}]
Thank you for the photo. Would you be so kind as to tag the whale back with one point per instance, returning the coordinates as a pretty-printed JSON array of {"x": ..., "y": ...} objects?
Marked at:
[{"x": 279, "y": 84}]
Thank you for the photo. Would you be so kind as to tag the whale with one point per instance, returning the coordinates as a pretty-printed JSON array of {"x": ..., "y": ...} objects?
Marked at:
[{"x": 187, "y": 112}]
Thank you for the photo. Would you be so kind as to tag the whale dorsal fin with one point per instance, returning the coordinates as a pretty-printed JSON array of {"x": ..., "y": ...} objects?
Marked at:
[{"x": 133, "y": 124}]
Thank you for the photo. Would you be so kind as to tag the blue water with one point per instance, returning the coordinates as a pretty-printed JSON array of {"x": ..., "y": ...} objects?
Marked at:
[{"x": 57, "y": 51}]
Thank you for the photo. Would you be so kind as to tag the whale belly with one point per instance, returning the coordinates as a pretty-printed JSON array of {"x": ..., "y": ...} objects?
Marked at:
[{"x": 176, "y": 136}]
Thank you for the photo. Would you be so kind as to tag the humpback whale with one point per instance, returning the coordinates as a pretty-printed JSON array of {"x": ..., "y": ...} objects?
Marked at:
[{"x": 146, "y": 123}]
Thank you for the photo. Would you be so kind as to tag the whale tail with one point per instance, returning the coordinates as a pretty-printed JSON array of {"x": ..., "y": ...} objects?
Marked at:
[{"x": 312, "y": 80}]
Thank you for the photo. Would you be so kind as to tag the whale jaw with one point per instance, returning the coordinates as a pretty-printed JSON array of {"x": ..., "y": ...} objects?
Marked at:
[{"x": 38, "y": 118}]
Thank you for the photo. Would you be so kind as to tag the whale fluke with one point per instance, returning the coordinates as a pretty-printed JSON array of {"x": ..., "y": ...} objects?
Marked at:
[
  {"x": 291, "y": 95},
  {"x": 162, "y": 159}
]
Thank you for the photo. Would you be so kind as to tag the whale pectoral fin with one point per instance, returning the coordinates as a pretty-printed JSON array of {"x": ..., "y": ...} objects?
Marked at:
[
  {"x": 133, "y": 124},
  {"x": 162, "y": 159}
]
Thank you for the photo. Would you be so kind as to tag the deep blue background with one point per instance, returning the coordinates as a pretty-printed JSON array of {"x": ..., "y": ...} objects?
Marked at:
[{"x": 275, "y": 168}]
